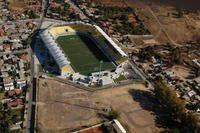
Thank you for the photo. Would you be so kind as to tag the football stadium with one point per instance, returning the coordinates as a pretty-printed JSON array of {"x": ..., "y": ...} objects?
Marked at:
[{"x": 83, "y": 51}]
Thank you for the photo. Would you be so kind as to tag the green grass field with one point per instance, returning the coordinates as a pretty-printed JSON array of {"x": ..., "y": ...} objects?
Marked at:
[{"x": 83, "y": 53}]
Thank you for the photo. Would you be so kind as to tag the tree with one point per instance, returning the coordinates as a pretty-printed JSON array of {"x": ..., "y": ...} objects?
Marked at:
[
  {"x": 176, "y": 107},
  {"x": 1, "y": 106},
  {"x": 124, "y": 17},
  {"x": 191, "y": 121},
  {"x": 176, "y": 56},
  {"x": 114, "y": 114},
  {"x": 4, "y": 124},
  {"x": 179, "y": 13}
]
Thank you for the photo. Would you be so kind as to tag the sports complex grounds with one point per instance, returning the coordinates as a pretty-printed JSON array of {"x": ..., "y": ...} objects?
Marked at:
[{"x": 83, "y": 54}]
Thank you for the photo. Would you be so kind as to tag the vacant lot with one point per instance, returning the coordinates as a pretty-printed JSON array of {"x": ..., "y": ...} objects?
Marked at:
[
  {"x": 18, "y": 6},
  {"x": 174, "y": 29},
  {"x": 62, "y": 107},
  {"x": 181, "y": 71},
  {"x": 83, "y": 54}
]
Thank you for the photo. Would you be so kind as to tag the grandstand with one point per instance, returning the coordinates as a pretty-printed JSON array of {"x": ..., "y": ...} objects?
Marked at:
[{"x": 78, "y": 47}]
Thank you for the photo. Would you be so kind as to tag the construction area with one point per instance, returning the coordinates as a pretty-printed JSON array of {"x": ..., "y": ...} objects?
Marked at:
[{"x": 63, "y": 108}]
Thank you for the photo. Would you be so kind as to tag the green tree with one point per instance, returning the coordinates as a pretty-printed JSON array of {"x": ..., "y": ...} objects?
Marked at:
[
  {"x": 176, "y": 107},
  {"x": 124, "y": 17},
  {"x": 114, "y": 114},
  {"x": 1, "y": 106}
]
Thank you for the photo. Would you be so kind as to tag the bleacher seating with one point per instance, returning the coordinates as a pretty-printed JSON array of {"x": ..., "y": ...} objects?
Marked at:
[
  {"x": 60, "y": 30},
  {"x": 72, "y": 28}
]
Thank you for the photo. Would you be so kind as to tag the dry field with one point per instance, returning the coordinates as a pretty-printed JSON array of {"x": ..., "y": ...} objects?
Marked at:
[
  {"x": 18, "y": 6},
  {"x": 181, "y": 71},
  {"x": 179, "y": 30},
  {"x": 61, "y": 108},
  {"x": 120, "y": 3}
]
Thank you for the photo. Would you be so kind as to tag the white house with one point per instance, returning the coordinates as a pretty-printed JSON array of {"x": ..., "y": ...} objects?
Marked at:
[
  {"x": 8, "y": 86},
  {"x": 21, "y": 84}
]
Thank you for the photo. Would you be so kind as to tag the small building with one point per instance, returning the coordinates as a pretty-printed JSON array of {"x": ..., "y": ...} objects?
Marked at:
[
  {"x": 191, "y": 93},
  {"x": 24, "y": 56},
  {"x": 11, "y": 93},
  {"x": 17, "y": 91},
  {"x": 2, "y": 32},
  {"x": 21, "y": 84},
  {"x": 6, "y": 47},
  {"x": 16, "y": 103},
  {"x": 4, "y": 74},
  {"x": 8, "y": 84},
  {"x": 174, "y": 78}
]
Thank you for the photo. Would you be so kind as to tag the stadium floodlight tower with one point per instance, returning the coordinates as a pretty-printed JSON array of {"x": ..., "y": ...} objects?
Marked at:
[
  {"x": 108, "y": 107},
  {"x": 101, "y": 62}
]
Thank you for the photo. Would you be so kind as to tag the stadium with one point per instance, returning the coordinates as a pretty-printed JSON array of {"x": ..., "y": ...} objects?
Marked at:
[{"x": 83, "y": 51}]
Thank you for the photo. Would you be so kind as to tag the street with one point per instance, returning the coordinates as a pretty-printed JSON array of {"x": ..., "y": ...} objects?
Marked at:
[{"x": 32, "y": 92}]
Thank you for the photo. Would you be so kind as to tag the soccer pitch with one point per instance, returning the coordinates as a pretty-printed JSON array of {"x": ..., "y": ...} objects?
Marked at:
[{"x": 83, "y": 53}]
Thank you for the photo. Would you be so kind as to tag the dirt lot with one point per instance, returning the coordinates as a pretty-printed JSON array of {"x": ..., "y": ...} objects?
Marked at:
[
  {"x": 181, "y": 71},
  {"x": 62, "y": 107},
  {"x": 176, "y": 30},
  {"x": 120, "y": 3},
  {"x": 19, "y": 7}
]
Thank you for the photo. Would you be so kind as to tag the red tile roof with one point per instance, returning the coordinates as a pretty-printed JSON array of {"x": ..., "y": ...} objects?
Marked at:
[
  {"x": 30, "y": 24},
  {"x": 11, "y": 93},
  {"x": 132, "y": 19},
  {"x": 6, "y": 46},
  {"x": 24, "y": 56},
  {"x": 17, "y": 91},
  {"x": 2, "y": 32},
  {"x": 15, "y": 103},
  {"x": 175, "y": 78},
  {"x": 93, "y": 130},
  {"x": 54, "y": 4}
]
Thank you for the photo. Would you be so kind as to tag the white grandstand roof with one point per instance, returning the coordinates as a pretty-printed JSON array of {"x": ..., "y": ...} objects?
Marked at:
[
  {"x": 54, "y": 49},
  {"x": 58, "y": 54},
  {"x": 111, "y": 41}
]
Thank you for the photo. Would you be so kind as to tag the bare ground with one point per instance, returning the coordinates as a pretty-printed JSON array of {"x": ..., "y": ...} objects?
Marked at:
[
  {"x": 179, "y": 30},
  {"x": 181, "y": 71},
  {"x": 62, "y": 107},
  {"x": 19, "y": 7}
]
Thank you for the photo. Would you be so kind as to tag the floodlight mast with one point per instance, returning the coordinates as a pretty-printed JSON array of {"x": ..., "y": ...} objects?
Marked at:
[
  {"x": 101, "y": 62},
  {"x": 108, "y": 108}
]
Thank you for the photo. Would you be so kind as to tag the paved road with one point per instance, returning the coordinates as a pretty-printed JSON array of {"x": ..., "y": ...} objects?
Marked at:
[
  {"x": 137, "y": 70},
  {"x": 32, "y": 95}
]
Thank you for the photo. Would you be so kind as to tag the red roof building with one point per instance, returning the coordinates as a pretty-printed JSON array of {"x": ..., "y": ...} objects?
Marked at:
[
  {"x": 132, "y": 19},
  {"x": 38, "y": 3},
  {"x": 54, "y": 4},
  {"x": 2, "y": 32},
  {"x": 24, "y": 56},
  {"x": 15, "y": 103},
  {"x": 30, "y": 24},
  {"x": 11, "y": 93},
  {"x": 93, "y": 130},
  {"x": 17, "y": 91},
  {"x": 6, "y": 46},
  {"x": 175, "y": 78}
]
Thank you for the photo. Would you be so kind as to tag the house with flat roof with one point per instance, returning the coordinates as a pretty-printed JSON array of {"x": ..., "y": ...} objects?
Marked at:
[
  {"x": 8, "y": 84},
  {"x": 21, "y": 84}
]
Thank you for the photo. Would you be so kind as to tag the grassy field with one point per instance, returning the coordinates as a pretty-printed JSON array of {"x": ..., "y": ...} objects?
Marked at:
[
  {"x": 83, "y": 54},
  {"x": 120, "y": 78}
]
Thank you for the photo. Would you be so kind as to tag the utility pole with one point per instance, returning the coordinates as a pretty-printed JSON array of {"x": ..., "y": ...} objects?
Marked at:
[
  {"x": 101, "y": 62},
  {"x": 107, "y": 108}
]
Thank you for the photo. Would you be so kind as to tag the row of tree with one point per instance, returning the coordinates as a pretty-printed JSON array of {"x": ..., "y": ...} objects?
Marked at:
[
  {"x": 9, "y": 117},
  {"x": 176, "y": 108}
]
